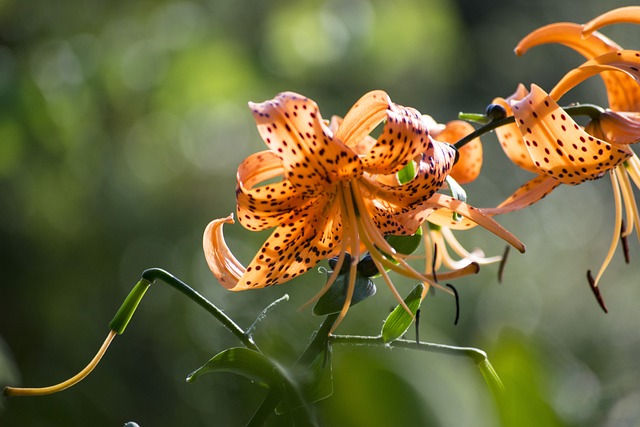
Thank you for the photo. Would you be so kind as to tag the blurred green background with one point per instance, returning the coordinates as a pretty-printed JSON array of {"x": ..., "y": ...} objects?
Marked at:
[{"x": 121, "y": 125}]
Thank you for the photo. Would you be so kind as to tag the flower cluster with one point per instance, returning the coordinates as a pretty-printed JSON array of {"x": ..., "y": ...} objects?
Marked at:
[
  {"x": 545, "y": 140},
  {"x": 328, "y": 189}
]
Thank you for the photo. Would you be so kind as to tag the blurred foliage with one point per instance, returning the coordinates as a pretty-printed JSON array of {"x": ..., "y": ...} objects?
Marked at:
[{"x": 121, "y": 125}]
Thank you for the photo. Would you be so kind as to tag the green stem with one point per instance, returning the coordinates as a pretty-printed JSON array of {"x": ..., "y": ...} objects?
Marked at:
[
  {"x": 484, "y": 129},
  {"x": 319, "y": 341},
  {"x": 266, "y": 409},
  {"x": 153, "y": 274},
  {"x": 263, "y": 314},
  {"x": 478, "y": 356}
]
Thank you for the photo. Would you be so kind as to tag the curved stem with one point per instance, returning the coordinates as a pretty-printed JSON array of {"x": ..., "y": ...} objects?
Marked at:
[
  {"x": 478, "y": 356},
  {"x": 266, "y": 409},
  {"x": 41, "y": 391},
  {"x": 482, "y": 130},
  {"x": 154, "y": 274}
]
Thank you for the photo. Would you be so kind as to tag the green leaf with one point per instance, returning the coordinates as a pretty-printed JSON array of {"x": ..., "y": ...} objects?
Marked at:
[
  {"x": 242, "y": 361},
  {"x": 397, "y": 323},
  {"x": 405, "y": 245},
  {"x": 407, "y": 173},
  {"x": 333, "y": 300},
  {"x": 283, "y": 390},
  {"x": 313, "y": 369}
]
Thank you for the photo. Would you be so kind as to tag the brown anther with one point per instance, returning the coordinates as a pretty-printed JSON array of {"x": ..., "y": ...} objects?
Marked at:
[
  {"x": 455, "y": 293},
  {"x": 625, "y": 242},
  {"x": 433, "y": 263},
  {"x": 503, "y": 262},
  {"x": 596, "y": 291}
]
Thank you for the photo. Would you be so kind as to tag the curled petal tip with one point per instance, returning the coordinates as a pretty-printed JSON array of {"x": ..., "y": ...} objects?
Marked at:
[
  {"x": 626, "y": 14},
  {"x": 224, "y": 266}
]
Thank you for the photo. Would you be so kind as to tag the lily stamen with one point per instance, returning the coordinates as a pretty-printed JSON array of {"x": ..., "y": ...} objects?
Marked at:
[
  {"x": 596, "y": 291},
  {"x": 625, "y": 243},
  {"x": 503, "y": 262},
  {"x": 455, "y": 293}
]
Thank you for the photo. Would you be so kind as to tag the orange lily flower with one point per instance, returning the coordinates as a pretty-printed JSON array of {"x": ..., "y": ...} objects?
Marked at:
[
  {"x": 546, "y": 141},
  {"x": 336, "y": 193},
  {"x": 437, "y": 230}
]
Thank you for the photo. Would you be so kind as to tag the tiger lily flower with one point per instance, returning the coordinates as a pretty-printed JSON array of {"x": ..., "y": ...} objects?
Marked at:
[
  {"x": 336, "y": 192},
  {"x": 437, "y": 230},
  {"x": 546, "y": 141}
]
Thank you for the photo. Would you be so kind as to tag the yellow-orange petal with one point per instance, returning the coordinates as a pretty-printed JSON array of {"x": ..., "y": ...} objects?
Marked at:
[
  {"x": 616, "y": 128},
  {"x": 558, "y": 146},
  {"x": 293, "y": 129},
  {"x": 469, "y": 162},
  {"x": 224, "y": 266},
  {"x": 622, "y": 91},
  {"x": 403, "y": 138},
  {"x": 570, "y": 35},
  {"x": 626, "y": 61},
  {"x": 629, "y": 14},
  {"x": 528, "y": 194},
  {"x": 477, "y": 216},
  {"x": 367, "y": 113},
  {"x": 444, "y": 217}
]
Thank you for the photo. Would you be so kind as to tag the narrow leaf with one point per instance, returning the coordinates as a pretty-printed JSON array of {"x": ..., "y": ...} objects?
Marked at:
[
  {"x": 397, "y": 323},
  {"x": 313, "y": 369}
]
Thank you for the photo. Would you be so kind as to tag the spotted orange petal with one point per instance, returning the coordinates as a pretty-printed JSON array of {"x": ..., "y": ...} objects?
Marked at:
[
  {"x": 392, "y": 206},
  {"x": 477, "y": 216},
  {"x": 528, "y": 194},
  {"x": 266, "y": 206},
  {"x": 509, "y": 135},
  {"x": 622, "y": 91},
  {"x": 404, "y": 137},
  {"x": 309, "y": 235},
  {"x": 293, "y": 129},
  {"x": 558, "y": 146}
]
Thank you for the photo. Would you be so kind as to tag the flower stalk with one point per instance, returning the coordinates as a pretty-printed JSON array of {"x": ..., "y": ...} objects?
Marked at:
[
  {"x": 478, "y": 356},
  {"x": 42, "y": 391}
]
